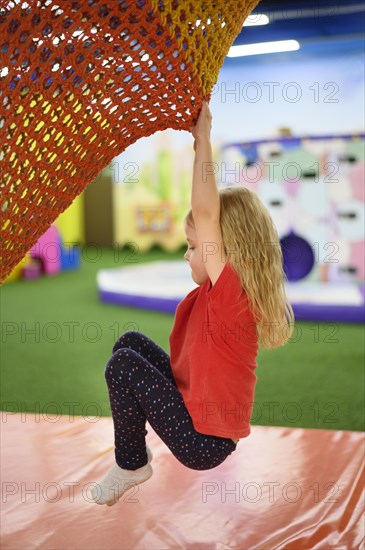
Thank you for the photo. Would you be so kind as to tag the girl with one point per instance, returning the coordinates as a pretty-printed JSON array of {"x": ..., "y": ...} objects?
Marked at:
[{"x": 199, "y": 400}]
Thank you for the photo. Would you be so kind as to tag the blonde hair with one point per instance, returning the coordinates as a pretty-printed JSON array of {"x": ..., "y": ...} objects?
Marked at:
[{"x": 252, "y": 247}]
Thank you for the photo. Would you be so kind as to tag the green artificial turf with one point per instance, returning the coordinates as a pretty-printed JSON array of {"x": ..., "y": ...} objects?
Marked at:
[{"x": 57, "y": 337}]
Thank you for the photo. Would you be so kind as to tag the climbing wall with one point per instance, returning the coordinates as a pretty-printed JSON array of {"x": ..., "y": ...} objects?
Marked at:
[{"x": 314, "y": 189}]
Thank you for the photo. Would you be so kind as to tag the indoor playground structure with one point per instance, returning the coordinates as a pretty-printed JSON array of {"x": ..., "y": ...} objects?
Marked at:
[
  {"x": 81, "y": 81},
  {"x": 47, "y": 256},
  {"x": 314, "y": 190}
]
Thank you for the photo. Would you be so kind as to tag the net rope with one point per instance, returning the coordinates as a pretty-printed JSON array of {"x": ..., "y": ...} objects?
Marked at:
[{"x": 82, "y": 80}]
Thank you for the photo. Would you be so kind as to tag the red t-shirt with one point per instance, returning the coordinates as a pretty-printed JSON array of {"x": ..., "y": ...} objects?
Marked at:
[{"x": 213, "y": 350}]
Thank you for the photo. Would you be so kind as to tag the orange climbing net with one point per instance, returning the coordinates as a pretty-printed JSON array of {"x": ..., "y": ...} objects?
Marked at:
[{"x": 82, "y": 80}]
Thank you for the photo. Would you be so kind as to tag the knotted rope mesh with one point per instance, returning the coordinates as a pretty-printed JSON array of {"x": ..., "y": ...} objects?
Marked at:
[{"x": 82, "y": 80}]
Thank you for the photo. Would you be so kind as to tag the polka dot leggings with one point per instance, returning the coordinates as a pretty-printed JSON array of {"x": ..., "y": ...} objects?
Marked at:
[{"x": 142, "y": 388}]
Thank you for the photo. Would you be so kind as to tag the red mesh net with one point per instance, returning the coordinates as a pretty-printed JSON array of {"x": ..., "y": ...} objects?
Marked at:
[{"x": 80, "y": 81}]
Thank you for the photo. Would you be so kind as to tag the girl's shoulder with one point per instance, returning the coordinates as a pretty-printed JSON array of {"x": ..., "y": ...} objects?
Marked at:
[{"x": 228, "y": 285}]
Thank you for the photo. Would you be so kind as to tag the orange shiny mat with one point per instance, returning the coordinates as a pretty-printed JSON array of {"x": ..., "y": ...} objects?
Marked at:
[{"x": 281, "y": 489}]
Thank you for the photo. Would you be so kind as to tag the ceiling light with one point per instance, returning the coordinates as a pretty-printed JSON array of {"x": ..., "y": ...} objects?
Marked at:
[
  {"x": 264, "y": 47},
  {"x": 256, "y": 19}
]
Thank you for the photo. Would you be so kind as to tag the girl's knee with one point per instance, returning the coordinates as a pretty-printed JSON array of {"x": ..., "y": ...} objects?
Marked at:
[{"x": 131, "y": 337}]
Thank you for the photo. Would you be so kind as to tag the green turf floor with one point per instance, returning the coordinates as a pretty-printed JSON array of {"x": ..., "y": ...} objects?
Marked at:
[{"x": 57, "y": 337}]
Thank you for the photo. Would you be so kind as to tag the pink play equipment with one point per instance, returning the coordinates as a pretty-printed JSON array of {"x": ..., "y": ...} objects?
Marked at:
[
  {"x": 47, "y": 251},
  {"x": 48, "y": 256}
]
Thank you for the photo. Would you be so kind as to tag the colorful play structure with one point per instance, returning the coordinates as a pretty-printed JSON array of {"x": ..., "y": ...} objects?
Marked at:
[{"x": 48, "y": 256}]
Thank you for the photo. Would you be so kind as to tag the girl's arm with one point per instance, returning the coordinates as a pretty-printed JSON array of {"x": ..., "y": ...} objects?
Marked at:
[
  {"x": 204, "y": 195},
  {"x": 205, "y": 203}
]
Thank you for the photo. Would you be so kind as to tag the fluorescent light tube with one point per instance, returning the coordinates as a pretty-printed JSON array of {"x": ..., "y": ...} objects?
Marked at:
[
  {"x": 264, "y": 47},
  {"x": 256, "y": 19}
]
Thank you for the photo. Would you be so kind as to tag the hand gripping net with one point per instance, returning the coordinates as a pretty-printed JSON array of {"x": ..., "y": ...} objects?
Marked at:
[{"x": 80, "y": 81}]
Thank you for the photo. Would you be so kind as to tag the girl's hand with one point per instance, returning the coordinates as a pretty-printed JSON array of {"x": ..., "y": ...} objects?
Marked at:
[{"x": 203, "y": 126}]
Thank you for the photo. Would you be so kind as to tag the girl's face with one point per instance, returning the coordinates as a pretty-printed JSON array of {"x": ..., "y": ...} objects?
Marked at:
[{"x": 194, "y": 256}]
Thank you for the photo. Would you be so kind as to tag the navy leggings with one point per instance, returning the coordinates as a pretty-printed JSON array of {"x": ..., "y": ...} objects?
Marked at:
[{"x": 142, "y": 387}]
